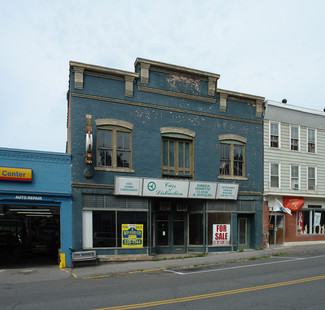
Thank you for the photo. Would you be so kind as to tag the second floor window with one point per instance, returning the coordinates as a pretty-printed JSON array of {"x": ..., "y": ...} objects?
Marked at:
[
  {"x": 311, "y": 140},
  {"x": 274, "y": 135},
  {"x": 177, "y": 153},
  {"x": 232, "y": 156},
  {"x": 114, "y": 145},
  {"x": 294, "y": 133}
]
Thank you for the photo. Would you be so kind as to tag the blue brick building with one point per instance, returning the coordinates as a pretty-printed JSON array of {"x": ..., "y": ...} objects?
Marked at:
[
  {"x": 163, "y": 161},
  {"x": 35, "y": 206}
]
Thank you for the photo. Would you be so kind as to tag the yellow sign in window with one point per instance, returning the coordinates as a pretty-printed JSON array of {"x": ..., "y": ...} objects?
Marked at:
[
  {"x": 15, "y": 174},
  {"x": 132, "y": 235}
]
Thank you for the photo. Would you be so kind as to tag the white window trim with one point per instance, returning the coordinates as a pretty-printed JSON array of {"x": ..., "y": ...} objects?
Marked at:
[
  {"x": 308, "y": 140},
  {"x": 270, "y": 175},
  {"x": 299, "y": 174},
  {"x": 296, "y": 126},
  {"x": 279, "y": 128},
  {"x": 315, "y": 178}
]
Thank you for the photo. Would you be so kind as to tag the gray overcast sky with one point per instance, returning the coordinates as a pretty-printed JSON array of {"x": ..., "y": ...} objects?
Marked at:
[{"x": 273, "y": 49}]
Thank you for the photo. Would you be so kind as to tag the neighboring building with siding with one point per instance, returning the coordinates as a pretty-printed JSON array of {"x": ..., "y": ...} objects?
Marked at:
[
  {"x": 173, "y": 160},
  {"x": 294, "y": 172}
]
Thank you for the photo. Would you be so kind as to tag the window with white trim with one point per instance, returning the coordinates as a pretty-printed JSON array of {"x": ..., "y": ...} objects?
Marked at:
[
  {"x": 294, "y": 138},
  {"x": 274, "y": 175},
  {"x": 313, "y": 220},
  {"x": 311, "y": 178},
  {"x": 295, "y": 177},
  {"x": 274, "y": 135},
  {"x": 311, "y": 140}
]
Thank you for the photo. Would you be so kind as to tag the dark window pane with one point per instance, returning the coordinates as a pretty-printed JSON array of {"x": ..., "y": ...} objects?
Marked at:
[
  {"x": 123, "y": 140},
  {"x": 123, "y": 159},
  {"x": 171, "y": 153},
  {"x": 165, "y": 153},
  {"x": 104, "y": 229},
  {"x": 196, "y": 229},
  {"x": 181, "y": 155}
]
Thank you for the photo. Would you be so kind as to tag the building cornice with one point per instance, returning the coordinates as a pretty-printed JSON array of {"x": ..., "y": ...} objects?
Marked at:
[
  {"x": 153, "y": 106},
  {"x": 176, "y": 68}
]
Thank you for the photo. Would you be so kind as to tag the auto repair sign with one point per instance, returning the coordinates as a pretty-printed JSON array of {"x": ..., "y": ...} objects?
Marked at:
[{"x": 221, "y": 234}]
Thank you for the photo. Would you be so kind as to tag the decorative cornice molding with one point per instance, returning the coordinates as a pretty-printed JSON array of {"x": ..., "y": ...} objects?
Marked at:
[
  {"x": 153, "y": 106},
  {"x": 176, "y": 68},
  {"x": 24, "y": 155},
  {"x": 175, "y": 94}
]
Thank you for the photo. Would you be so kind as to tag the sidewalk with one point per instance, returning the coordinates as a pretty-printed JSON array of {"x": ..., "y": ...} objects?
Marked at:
[{"x": 160, "y": 262}]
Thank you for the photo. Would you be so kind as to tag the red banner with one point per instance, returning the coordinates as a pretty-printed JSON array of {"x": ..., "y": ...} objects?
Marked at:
[{"x": 293, "y": 203}]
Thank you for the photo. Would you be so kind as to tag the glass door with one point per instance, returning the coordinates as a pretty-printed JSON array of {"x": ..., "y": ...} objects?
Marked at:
[
  {"x": 170, "y": 233},
  {"x": 242, "y": 231},
  {"x": 276, "y": 229},
  {"x": 162, "y": 224}
]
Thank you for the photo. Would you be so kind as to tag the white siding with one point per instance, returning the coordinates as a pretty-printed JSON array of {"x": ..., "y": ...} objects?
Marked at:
[{"x": 285, "y": 157}]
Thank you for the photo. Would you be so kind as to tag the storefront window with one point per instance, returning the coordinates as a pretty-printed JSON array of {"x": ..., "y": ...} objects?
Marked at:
[
  {"x": 196, "y": 229},
  {"x": 311, "y": 221},
  {"x": 131, "y": 218},
  {"x": 105, "y": 231},
  {"x": 217, "y": 218}
]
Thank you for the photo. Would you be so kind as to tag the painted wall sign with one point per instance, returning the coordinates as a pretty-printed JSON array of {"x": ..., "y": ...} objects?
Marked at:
[
  {"x": 165, "y": 188},
  {"x": 132, "y": 235},
  {"x": 15, "y": 174},
  {"x": 203, "y": 190},
  {"x": 227, "y": 191},
  {"x": 221, "y": 234},
  {"x": 128, "y": 186}
]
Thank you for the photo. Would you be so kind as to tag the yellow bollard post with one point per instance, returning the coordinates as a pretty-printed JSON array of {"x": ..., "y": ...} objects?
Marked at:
[{"x": 62, "y": 260}]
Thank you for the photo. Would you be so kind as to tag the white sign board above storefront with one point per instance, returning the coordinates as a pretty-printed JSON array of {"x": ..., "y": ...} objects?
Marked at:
[
  {"x": 128, "y": 186},
  {"x": 165, "y": 188},
  {"x": 174, "y": 188},
  {"x": 227, "y": 191},
  {"x": 203, "y": 190}
]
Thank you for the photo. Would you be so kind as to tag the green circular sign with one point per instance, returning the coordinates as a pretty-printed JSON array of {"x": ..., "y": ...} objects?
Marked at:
[{"x": 151, "y": 186}]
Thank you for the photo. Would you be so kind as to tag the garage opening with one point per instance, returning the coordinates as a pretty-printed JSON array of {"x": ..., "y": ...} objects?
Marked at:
[{"x": 29, "y": 235}]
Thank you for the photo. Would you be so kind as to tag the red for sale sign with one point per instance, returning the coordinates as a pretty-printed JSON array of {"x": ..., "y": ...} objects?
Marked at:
[{"x": 221, "y": 234}]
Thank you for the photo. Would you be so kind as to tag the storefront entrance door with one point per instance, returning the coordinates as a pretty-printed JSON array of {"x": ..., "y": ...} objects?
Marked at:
[
  {"x": 170, "y": 233},
  {"x": 244, "y": 223},
  {"x": 276, "y": 229}
]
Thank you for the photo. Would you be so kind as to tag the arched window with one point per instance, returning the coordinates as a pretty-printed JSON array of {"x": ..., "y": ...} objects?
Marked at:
[
  {"x": 177, "y": 153},
  {"x": 232, "y": 156},
  {"x": 114, "y": 145}
]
